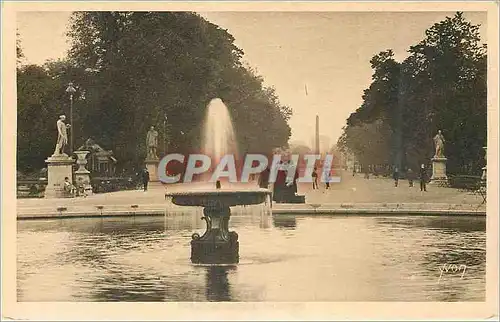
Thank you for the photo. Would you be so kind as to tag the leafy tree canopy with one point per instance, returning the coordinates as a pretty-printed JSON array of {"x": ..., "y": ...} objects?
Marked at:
[
  {"x": 441, "y": 85},
  {"x": 131, "y": 70}
]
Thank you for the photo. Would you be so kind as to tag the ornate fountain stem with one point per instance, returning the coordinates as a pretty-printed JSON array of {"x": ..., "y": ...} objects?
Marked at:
[{"x": 217, "y": 244}]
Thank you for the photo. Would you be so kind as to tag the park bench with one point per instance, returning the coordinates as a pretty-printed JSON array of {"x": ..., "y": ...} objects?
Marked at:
[
  {"x": 110, "y": 184},
  {"x": 30, "y": 188}
]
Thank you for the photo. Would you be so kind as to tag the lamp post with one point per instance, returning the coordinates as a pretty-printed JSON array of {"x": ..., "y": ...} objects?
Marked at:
[
  {"x": 71, "y": 90},
  {"x": 165, "y": 134}
]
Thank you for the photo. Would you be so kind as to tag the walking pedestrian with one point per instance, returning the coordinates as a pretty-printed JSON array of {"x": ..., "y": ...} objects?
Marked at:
[
  {"x": 370, "y": 170},
  {"x": 395, "y": 176},
  {"x": 423, "y": 178},
  {"x": 326, "y": 171},
  {"x": 315, "y": 178},
  {"x": 411, "y": 176},
  {"x": 145, "y": 179},
  {"x": 264, "y": 178},
  {"x": 279, "y": 184}
]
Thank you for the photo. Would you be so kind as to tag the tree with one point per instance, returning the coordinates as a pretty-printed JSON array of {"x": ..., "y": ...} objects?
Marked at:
[
  {"x": 150, "y": 64},
  {"x": 131, "y": 69},
  {"x": 367, "y": 141},
  {"x": 446, "y": 77},
  {"x": 300, "y": 148},
  {"x": 380, "y": 111},
  {"x": 19, "y": 51},
  {"x": 37, "y": 109},
  {"x": 441, "y": 85}
]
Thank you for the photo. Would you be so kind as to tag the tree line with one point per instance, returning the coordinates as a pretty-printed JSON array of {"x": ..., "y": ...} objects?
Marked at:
[
  {"x": 442, "y": 85},
  {"x": 136, "y": 69}
]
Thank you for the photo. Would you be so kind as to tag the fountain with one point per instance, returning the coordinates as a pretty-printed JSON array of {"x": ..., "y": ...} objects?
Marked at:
[
  {"x": 219, "y": 138},
  {"x": 217, "y": 245}
]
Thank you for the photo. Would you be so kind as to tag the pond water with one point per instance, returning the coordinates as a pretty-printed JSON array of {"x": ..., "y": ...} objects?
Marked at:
[{"x": 282, "y": 258}]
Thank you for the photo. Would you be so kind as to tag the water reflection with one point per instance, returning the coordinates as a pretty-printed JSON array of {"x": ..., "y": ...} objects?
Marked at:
[
  {"x": 114, "y": 288},
  {"x": 218, "y": 286},
  {"x": 265, "y": 220},
  {"x": 445, "y": 223},
  {"x": 147, "y": 259},
  {"x": 285, "y": 222},
  {"x": 460, "y": 243}
]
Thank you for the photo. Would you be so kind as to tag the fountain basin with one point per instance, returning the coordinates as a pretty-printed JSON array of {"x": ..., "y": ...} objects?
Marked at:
[
  {"x": 217, "y": 245},
  {"x": 218, "y": 198}
]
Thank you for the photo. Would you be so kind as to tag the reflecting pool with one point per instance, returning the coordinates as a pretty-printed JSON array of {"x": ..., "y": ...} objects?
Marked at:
[{"x": 282, "y": 258}]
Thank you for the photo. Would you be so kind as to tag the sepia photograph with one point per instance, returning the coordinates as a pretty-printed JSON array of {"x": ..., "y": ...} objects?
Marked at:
[{"x": 214, "y": 154}]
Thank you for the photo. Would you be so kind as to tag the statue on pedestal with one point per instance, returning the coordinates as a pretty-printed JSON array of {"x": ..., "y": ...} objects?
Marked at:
[
  {"x": 439, "y": 142},
  {"x": 152, "y": 143},
  {"x": 62, "y": 135},
  {"x": 59, "y": 165},
  {"x": 439, "y": 176}
]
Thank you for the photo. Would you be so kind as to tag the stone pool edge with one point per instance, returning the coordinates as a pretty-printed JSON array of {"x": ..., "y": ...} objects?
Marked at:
[{"x": 278, "y": 209}]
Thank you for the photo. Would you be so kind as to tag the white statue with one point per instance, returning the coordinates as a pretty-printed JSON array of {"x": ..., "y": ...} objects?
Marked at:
[
  {"x": 439, "y": 142},
  {"x": 152, "y": 143},
  {"x": 62, "y": 135}
]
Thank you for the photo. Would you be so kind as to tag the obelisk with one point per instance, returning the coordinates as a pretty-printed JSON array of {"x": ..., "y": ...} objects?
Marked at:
[{"x": 317, "y": 135}]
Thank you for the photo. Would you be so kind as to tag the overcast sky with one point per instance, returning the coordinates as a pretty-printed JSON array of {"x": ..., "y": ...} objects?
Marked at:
[{"x": 328, "y": 51}]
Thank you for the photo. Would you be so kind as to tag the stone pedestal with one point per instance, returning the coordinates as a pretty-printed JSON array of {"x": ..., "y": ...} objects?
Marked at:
[
  {"x": 82, "y": 174},
  {"x": 439, "y": 176},
  {"x": 218, "y": 245},
  {"x": 59, "y": 166},
  {"x": 152, "y": 166}
]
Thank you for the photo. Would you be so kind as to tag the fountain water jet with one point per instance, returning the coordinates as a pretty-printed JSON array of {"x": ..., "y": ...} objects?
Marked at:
[
  {"x": 218, "y": 135},
  {"x": 219, "y": 138},
  {"x": 217, "y": 245}
]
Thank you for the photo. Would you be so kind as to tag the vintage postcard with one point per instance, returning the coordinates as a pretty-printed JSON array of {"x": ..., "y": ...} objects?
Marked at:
[{"x": 249, "y": 160}]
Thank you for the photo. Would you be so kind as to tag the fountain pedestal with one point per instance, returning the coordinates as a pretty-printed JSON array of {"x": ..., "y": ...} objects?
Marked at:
[{"x": 217, "y": 245}]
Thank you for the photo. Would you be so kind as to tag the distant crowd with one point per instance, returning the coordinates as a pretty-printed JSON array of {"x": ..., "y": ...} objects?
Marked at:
[{"x": 421, "y": 175}]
